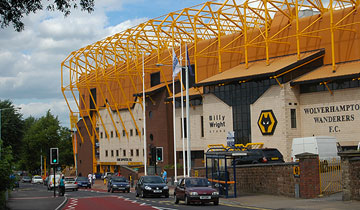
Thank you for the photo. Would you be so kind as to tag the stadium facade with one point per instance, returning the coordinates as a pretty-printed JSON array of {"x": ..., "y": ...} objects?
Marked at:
[{"x": 267, "y": 70}]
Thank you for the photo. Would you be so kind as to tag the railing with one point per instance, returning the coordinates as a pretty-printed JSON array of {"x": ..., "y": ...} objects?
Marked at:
[{"x": 330, "y": 176}]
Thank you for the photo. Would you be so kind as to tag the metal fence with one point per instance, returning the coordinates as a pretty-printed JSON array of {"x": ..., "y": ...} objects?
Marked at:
[{"x": 330, "y": 176}]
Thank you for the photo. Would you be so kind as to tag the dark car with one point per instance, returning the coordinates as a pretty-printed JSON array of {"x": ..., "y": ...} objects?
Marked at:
[
  {"x": 118, "y": 183},
  {"x": 195, "y": 189},
  {"x": 83, "y": 182},
  {"x": 266, "y": 155},
  {"x": 151, "y": 186},
  {"x": 26, "y": 179}
]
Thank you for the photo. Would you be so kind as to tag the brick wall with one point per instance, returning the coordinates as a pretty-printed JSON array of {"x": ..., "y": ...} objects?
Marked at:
[
  {"x": 350, "y": 164},
  {"x": 275, "y": 179}
]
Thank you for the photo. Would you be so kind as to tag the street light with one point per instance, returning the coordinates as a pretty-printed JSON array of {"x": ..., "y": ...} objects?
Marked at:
[{"x": 16, "y": 108}]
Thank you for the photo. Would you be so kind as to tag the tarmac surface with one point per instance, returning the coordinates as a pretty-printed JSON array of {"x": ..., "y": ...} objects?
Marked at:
[{"x": 264, "y": 201}]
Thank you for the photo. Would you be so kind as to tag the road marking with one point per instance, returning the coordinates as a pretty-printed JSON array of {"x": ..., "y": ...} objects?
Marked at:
[{"x": 62, "y": 203}]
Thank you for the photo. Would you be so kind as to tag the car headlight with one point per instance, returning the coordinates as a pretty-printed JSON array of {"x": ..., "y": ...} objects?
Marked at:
[
  {"x": 147, "y": 188},
  {"x": 127, "y": 185},
  {"x": 166, "y": 188},
  {"x": 193, "y": 193},
  {"x": 114, "y": 185},
  {"x": 215, "y": 193}
]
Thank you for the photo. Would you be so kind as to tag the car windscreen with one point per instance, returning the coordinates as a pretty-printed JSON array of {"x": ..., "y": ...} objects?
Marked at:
[
  {"x": 69, "y": 179},
  {"x": 196, "y": 183},
  {"x": 119, "y": 179},
  {"x": 272, "y": 153},
  {"x": 37, "y": 177},
  {"x": 153, "y": 179},
  {"x": 82, "y": 179}
]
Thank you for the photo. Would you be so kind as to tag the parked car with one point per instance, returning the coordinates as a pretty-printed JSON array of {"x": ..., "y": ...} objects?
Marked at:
[
  {"x": 83, "y": 182},
  {"x": 70, "y": 184},
  {"x": 151, "y": 186},
  {"x": 263, "y": 155},
  {"x": 118, "y": 183},
  {"x": 51, "y": 181},
  {"x": 195, "y": 189},
  {"x": 37, "y": 180},
  {"x": 106, "y": 175},
  {"x": 26, "y": 179}
]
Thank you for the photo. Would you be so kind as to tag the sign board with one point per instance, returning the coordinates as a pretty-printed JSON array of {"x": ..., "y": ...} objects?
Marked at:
[
  {"x": 73, "y": 120},
  {"x": 230, "y": 139},
  {"x": 196, "y": 173},
  {"x": 296, "y": 170}
]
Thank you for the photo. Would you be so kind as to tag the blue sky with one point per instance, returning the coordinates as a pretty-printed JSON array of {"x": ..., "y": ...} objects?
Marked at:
[{"x": 30, "y": 61}]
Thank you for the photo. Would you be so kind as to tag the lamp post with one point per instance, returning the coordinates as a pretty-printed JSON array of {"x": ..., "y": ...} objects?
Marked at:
[{"x": 16, "y": 108}]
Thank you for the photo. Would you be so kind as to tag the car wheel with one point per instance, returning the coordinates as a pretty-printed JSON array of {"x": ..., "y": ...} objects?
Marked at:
[
  {"x": 176, "y": 199},
  {"x": 112, "y": 190},
  {"x": 216, "y": 202},
  {"x": 187, "y": 202},
  {"x": 167, "y": 195},
  {"x": 128, "y": 191},
  {"x": 76, "y": 189}
]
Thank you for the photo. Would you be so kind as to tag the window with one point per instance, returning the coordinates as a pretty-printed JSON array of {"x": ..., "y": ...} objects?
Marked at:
[
  {"x": 131, "y": 152},
  {"x": 112, "y": 134},
  {"x": 116, "y": 134},
  {"x": 117, "y": 153},
  {"x": 202, "y": 126},
  {"x": 185, "y": 133},
  {"x": 293, "y": 118},
  {"x": 136, "y": 132},
  {"x": 112, "y": 153},
  {"x": 101, "y": 135},
  {"x": 124, "y": 153},
  {"x": 142, "y": 131},
  {"x": 137, "y": 152},
  {"x": 155, "y": 79},
  {"x": 106, "y": 153},
  {"x": 124, "y": 133},
  {"x": 131, "y": 132}
]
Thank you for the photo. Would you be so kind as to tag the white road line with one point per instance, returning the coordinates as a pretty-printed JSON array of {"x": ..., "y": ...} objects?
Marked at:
[{"x": 62, "y": 203}]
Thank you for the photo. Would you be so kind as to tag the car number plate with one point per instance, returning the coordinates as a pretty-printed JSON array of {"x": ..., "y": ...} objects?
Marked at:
[
  {"x": 205, "y": 197},
  {"x": 157, "y": 191},
  {"x": 275, "y": 158}
]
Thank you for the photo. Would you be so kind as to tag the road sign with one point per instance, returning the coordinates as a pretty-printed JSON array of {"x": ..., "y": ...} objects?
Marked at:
[{"x": 296, "y": 170}]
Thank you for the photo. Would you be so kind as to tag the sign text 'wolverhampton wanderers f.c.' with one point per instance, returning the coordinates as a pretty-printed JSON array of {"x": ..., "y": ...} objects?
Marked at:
[{"x": 267, "y": 122}]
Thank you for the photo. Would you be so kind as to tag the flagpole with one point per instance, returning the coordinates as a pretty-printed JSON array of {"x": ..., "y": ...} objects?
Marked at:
[
  {"x": 174, "y": 122},
  {"x": 144, "y": 116},
  {"x": 187, "y": 115},
  {"x": 182, "y": 116}
]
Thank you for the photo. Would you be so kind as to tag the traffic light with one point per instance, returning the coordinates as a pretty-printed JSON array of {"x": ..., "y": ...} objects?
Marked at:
[
  {"x": 54, "y": 156},
  {"x": 159, "y": 154}
]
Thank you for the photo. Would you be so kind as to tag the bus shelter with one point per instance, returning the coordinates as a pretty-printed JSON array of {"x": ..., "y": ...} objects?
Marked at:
[{"x": 221, "y": 168}]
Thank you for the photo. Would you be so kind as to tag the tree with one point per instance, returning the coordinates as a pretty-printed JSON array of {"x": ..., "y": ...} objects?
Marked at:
[
  {"x": 12, "y": 11},
  {"x": 66, "y": 155},
  {"x": 11, "y": 127},
  {"x": 38, "y": 139}
]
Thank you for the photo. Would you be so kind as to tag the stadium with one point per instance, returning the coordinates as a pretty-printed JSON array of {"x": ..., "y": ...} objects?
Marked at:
[{"x": 269, "y": 71}]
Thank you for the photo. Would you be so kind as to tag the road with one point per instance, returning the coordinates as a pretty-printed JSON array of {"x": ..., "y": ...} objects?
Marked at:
[{"x": 31, "y": 196}]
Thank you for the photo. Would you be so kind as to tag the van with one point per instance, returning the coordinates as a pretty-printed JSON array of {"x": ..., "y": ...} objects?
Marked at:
[
  {"x": 51, "y": 181},
  {"x": 324, "y": 146}
]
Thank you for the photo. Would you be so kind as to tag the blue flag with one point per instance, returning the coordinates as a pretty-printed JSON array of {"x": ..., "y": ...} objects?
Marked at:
[{"x": 188, "y": 59}]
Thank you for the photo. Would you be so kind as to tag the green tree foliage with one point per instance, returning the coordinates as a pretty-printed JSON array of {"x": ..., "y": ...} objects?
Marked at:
[
  {"x": 5, "y": 167},
  {"x": 12, "y": 11},
  {"x": 41, "y": 135},
  {"x": 11, "y": 127}
]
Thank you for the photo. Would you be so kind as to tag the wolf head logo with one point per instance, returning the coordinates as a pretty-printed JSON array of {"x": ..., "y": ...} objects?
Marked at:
[{"x": 267, "y": 122}]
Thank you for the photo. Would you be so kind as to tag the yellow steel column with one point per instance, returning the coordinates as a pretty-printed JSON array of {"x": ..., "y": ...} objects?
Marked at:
[
  {"x": 297, "y": 29},
  {"x": 266, "y": 32},
  {"x": 245, "y": 36},
  {"x": 332, "y": 36}
]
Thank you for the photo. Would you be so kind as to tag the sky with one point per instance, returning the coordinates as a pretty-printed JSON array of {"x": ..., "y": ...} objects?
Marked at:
[{"x": 30, "y": 61}]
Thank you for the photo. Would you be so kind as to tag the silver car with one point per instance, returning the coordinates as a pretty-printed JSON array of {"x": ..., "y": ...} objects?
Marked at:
[{"x": 70, "y": 184}]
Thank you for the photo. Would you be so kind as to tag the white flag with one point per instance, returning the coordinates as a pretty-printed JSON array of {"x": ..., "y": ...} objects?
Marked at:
[{"x": 176, "y": 65}]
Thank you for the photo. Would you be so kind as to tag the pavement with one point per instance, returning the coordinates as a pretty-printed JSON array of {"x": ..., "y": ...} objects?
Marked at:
[{"x": 265, "y": 201}]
